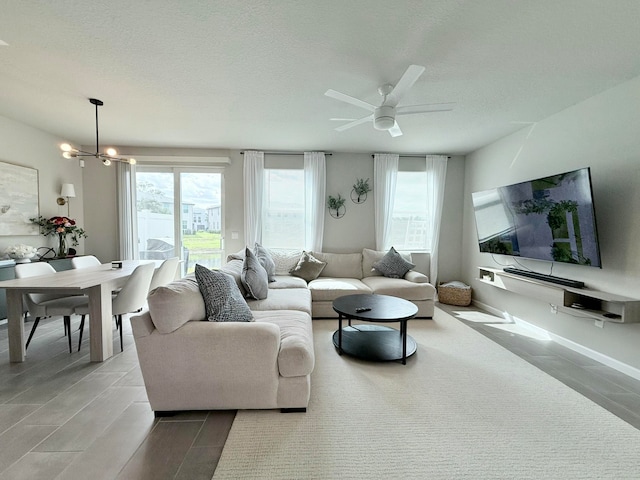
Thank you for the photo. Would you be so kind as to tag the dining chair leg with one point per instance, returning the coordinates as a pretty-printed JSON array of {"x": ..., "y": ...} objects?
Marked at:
[
  {"x": 33, "y": 330},
  {"x": 67, "y": 324},
  {"x": 119, "y": 322},
  {"x": 81, "y": 328}
]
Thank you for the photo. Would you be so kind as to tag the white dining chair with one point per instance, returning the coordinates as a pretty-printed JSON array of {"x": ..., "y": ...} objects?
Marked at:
[
  {"x": 85, "y": 261},
  {"x": 165, "y": 273},
  {"x": 41, "y": 305},
  {"x": 129, "y": 298}
]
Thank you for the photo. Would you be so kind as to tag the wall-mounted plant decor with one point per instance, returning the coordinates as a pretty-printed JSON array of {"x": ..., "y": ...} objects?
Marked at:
[
  {"x": 336, "y": 206},
  {"x": 360, "y": 190}
]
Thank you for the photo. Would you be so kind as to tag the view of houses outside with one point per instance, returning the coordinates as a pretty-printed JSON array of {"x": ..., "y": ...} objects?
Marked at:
[
  {"x": 200, "y": 217},
  {"x": 409, "y": 217}
]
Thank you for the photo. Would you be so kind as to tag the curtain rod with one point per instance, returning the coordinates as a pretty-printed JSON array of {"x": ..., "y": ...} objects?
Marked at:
[
  {"x": 419, "y": 155},
  {"x": 285, "y": 153}
]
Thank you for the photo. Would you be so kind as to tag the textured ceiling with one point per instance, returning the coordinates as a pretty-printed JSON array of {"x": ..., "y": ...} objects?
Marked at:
[{"x": 231, "y": 74}]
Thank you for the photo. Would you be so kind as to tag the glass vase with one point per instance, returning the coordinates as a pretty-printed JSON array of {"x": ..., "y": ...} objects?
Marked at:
[{"x": 62, "y": 246}]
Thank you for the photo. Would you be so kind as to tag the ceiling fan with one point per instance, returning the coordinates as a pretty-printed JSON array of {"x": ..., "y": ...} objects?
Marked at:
[{"x": 384, "y": 115}]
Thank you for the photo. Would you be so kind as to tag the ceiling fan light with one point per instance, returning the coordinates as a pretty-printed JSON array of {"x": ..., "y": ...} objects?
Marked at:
[
  {"x": 384, "y": 117},
  {"x": 383, "y": 123}
]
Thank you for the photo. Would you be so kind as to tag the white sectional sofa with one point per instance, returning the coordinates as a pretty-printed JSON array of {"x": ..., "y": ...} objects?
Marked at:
[{"x": 191, "y": 364}]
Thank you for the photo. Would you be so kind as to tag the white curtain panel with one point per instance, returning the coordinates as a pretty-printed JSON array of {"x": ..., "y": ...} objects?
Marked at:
[
  {"x": 436, "y": 178},
  {"x": 127, "y": 212},
  {"x": 385, "y": 173},
  {"x": 253, "y": 196},
  {"x": 314, "y": 191}
]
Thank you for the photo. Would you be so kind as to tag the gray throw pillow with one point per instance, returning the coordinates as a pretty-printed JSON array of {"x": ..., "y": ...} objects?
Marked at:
[
  {"x": 223, "y": 301},
  {"x": 254, "y": 277},
  {"x": 266, "y": 260},
  {"x": 308, "y": 267},
  {"x": 392, "y": 265}
]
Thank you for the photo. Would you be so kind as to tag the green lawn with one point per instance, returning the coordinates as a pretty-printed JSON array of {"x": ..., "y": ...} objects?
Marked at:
[{"x": 202, "y": 241}]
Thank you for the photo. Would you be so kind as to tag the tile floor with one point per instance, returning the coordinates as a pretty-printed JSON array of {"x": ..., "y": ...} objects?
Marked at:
[{"x": 62, "y": 417}]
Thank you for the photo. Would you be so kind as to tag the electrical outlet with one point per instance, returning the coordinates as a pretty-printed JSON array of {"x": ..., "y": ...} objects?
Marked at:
[
  {"x": 554, "y": 309},
  {"x": 599, "y": 323}
]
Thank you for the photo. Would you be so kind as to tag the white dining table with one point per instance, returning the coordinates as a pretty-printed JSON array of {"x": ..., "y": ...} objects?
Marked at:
[{"x": 95, "y": 282}]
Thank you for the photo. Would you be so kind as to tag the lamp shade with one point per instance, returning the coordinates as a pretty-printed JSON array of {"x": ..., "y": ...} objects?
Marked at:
[{"x": 67, "y": 190}]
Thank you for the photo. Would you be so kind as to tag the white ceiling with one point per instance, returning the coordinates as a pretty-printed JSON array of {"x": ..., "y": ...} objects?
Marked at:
[{"x": 252, "y": 74}]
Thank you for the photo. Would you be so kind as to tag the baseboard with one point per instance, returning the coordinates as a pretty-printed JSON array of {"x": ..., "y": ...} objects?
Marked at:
[{"x": 621, "y": 367}]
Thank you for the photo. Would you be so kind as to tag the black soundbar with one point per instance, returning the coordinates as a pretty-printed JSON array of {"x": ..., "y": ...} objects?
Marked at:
[{"x": 545, "y": 278}]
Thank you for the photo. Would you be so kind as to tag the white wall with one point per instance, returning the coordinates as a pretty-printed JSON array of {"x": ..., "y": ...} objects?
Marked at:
[
  {"x": 26, "y": 146},
  {"x": 601, "y": 133}
]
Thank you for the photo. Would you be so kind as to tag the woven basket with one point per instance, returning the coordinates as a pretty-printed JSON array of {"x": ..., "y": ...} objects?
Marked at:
[{"x": 460, "y": 297}]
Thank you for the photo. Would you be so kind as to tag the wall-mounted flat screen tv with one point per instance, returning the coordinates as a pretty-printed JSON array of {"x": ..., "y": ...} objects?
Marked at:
[{"x": 550, "y": 218}]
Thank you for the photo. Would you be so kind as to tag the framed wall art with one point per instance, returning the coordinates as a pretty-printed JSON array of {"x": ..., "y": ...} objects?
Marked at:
[{"x": 18, "y": 199}]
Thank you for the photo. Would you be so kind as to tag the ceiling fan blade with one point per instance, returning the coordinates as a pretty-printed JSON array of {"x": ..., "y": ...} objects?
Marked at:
[
  {"x": 395, "y": 130},
  {"x": 342, "y": 128},
  {"x": 342, "y": 119},
  {"x": 343, "y": 97},
  {"x": 426, "y": 108},
  {"x": 405, "y": 83}
]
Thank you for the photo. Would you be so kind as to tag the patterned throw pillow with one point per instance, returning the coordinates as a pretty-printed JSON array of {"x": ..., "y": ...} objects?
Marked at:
[
  {"x": 308, "y": 267},
  {"x": 254, "y": 277},
  {"x": 392, "y": 265},
  {"x": 223, "y": 301},
  {"x": 266, "y": 260}
]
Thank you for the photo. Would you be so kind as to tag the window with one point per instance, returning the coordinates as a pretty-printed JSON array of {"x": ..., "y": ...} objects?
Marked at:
[
  {"x": 283, "y": 221},
  {"x": 180, "y": 206},
  {"x": 409, "y": 221}
]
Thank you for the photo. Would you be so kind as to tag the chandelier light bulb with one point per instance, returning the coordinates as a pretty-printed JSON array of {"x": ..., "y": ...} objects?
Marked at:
[
  {"x": 106, "y": 162},
  {"x": 132, "y": 161},
  {"x": 65, "y": 147},
  {"x": 67, "y": 154},
  {"x": 112, "y": 152}
]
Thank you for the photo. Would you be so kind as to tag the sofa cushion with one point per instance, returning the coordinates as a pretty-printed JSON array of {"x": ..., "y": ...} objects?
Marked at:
[
  {"x": 296, "y": 356},
  {"x": 341, "y": 265},
  {"x": 287, "y": 281},
  {"x": 369, "y": 257},
  {"x": 234, "y": 268},
  {"x": 284, "y": 299},
  {"x": 175, "y": 304},
  {"x": 392, "y": 265},
  {"x": 254, "y": 277},
  {"x": 328, "y": 289},
  {"x": 285, "y": 259},
  {"x": 398, "y": 287},
  {"x": 223, "y": 300},
  {"x": 266, "y": 260},
  {"x": 308, "y": 267}
]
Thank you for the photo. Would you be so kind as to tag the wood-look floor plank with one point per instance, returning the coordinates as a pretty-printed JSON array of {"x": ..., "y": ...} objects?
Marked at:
[
  {"x": 59, "y": 382},
  {"x": 10, "y": 415},
  {"x": 19, "y": 440},
  {"x": 65, "y": 405},
  {"x": 215, "y": 429},
  {"x": 109, "y": 453},
  {"x": 199, "y": 464},
  {"x": 163, "y": 451},
  {"x": 39, "y": 466},
  {"x": 89, "y": 423}
]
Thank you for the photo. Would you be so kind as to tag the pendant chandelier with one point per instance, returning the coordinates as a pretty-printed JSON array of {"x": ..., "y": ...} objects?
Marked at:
[{"x": 110, "y": 155}]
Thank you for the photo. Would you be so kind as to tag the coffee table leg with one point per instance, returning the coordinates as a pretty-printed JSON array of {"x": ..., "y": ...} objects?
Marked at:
[
  {"x": 403, "y": 328},
  {"x": 339, "y": 334}
]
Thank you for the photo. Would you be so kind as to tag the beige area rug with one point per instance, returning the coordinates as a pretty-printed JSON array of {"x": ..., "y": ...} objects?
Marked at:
[{"x": 462, "y": 408}]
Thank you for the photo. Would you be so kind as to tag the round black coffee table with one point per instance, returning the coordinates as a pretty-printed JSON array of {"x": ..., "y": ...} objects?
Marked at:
[{"x": 374, "y": 342}]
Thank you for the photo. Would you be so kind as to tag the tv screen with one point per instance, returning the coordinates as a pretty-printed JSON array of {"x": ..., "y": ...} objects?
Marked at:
[{"x": 550, "y": 218}]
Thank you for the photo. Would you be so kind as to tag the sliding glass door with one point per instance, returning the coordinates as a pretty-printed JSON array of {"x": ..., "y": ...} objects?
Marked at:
[{"x": 180, "y": 213}]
